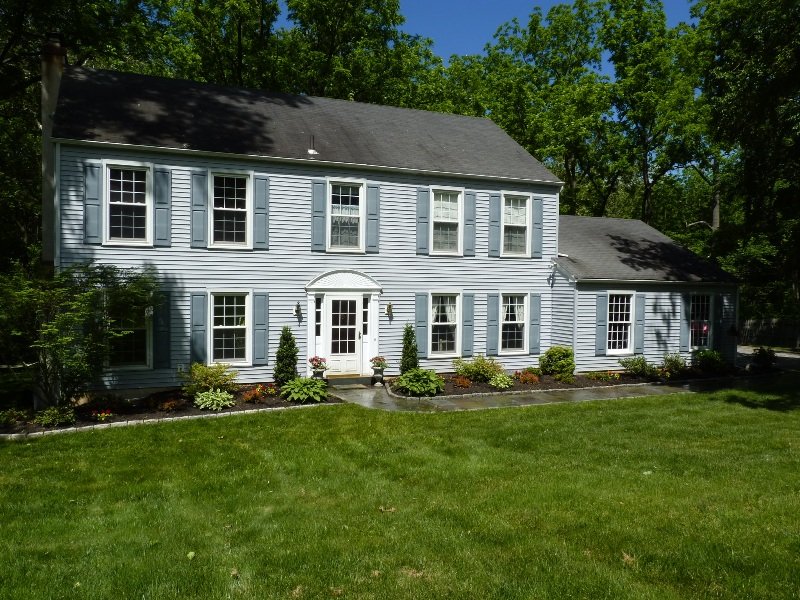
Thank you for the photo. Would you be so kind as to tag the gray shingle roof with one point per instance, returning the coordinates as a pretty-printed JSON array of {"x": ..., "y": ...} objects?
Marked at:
[
  {"x": 115, "y": 107},
  {"x": 628, "y": 250}
]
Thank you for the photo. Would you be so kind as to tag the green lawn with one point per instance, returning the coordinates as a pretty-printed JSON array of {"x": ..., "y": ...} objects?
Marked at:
[{"x": 669, "y": 497}]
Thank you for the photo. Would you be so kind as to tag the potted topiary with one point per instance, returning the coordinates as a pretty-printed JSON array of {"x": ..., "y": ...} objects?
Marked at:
[{"x": 318, "y": 365}]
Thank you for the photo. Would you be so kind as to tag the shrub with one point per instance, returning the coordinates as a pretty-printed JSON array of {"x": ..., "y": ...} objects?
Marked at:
[
  {"x": 305, "y": 389},
  {"x": 564, "y": 377},
  {"x": 501, "y": 381},
  {"x": 53, "y": 416},
  {"x": 709, "y": 362},
  {"x": 764, "y": 358},
  {"x": 204, "y": 378},
  {"x": 527, "y": 377},
  {"x": 285, "y": 358},
  {"x": 259, "y": 393},
  {"x": 410, "y": 358},
  {"x": 461, "y": 382},
  {"x": 602, "y": 376},
  {"x": 479, "y": 368},
  {"x": 12, "y": 416},
  {"x": 557, "y": 360},
  {"x": 214, "y": 400},
  {"x": 533, "y": 371},
  {"x": 639, "y": 367},
  {"x": 171, "y": 405},
  {"x": 673, "y": 365},
  {"x": 419, "y": 382}
]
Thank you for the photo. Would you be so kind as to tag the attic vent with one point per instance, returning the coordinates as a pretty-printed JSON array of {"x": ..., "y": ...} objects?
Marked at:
[{"x": 311, "y": 150}]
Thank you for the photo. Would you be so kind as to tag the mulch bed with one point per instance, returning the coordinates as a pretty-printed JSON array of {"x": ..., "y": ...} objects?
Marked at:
[
  {"x": 546, "y": 382},
  {"x": 160, "y": 405}
]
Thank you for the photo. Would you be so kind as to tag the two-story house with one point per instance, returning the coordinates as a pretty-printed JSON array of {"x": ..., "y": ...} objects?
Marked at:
[{"x": 342, "y": 220}]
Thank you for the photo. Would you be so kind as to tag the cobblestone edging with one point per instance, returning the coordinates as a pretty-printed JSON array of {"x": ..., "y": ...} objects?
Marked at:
[
  {"x": 33, "y": 434},
  {"x": 519, "y": 392}
]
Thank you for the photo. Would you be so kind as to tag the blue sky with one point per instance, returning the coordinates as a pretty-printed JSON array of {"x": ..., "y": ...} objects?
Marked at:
[{"x": 466, "y": 26}]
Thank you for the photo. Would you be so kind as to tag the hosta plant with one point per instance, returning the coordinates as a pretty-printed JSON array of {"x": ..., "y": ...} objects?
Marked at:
[{"x": 214, "y": 400}]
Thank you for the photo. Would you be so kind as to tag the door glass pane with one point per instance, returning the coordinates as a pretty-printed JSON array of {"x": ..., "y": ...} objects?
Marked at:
[{"x": 343, "y": 326}]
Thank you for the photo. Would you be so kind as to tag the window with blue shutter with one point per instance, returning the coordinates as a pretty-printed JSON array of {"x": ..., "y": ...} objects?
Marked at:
[
  {"x": 318, "y": 206},
  {"x": 638, "y": 330},
  {"x": 260, "y": 328},
  {"x": 421, "y": 324},
  {"x": 92, "y": 204},
  {"x": 534, "y": 335},
  {"x": 469, "y": 224},
  {"x": 686, "y": 317},
  {"x": 467, "y": 324},
  {"x": 538, "y": 228},
  {"x": 162, "y": 192},
  {"x": 495, "y": 215},
  {"x": 373, "y": 218},
  {"x": 492, "y": 323},
  {"x": 199, "y": 324},
  {"x": 199, "y": 204},
  {"x": 601, "y": 325},
  {"x": 261, "y": 212},
  {"x": 423, "y": 220}
]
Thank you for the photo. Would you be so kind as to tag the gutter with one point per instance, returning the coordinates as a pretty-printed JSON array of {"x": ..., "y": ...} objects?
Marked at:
[{"x": 301, "y": 161}]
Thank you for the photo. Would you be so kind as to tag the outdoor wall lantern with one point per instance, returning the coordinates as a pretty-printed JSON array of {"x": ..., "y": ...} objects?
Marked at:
[
  {"x": 389, "y": 312},
  {"x": 298, "y": 311}
]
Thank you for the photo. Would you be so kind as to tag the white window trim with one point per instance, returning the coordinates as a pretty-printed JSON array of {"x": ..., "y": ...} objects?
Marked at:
[
  {"x": 460, "y": 191},
  {"x": 711, "y": 315},
  {"x": 459, "y": 297},
  {"x": 248, "y": 314},
  {"x": 525, "y": 321},
  {"x": 528, "y": 224},
  {"x": 632, "y": 322},
  {"x": 362, "y": 214},
  {"x": 248, "y": 245},
  {"x": 147, "y": 167}
]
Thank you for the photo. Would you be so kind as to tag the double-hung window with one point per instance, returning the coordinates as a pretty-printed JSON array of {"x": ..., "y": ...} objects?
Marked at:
[
  {"x": 444, "y": 324},
  {"x": 129, "y": 345},
  {"x": 446, "y": 222},
  {"x": 230, "y": 327},
  {"x": 230, "y": 205},
  {"x": 515, "y": 225},
  {"x": 620, "y": 324},
  {"x": 346, "y": 224},
  {"x": 513, "y": 331},
  {"x": 700, "y": 320},
  {"x": 129, "y": 204}
]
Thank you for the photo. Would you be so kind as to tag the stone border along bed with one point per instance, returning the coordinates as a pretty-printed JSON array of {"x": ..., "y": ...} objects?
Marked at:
[{"x": 389, "y": 391}]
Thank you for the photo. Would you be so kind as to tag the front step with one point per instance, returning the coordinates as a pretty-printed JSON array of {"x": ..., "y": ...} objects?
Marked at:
[{"x": 345, "y": 381}]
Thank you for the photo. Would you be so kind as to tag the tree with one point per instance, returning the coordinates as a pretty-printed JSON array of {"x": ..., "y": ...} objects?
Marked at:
[
  {"x": 410, "y": 357},
  {"x": 286, "y": 358}
]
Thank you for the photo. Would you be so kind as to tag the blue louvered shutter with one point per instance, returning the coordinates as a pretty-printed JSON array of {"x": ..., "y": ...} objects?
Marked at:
[
  {"x": 199, "y": 210},
  {"x": 423, "y": 220},
  {"x": 469, "y": 224},
  {"x": 601, "y": 325},
  {"x": 686, "y": 315},
  {"x": 261, "y": 213},
  {"x": 318, "y": 215},
  {"x": 717, "y": 335},
  {"x": 538, "y": 228},
  {"x": 92, "y": 205},
  {"x": 421, "y": 324},
  {"x": 373, "y": 218},
  {"x": 534, "y": 335},
  {"x": 162, "y": 347},
  {"x": 638, "y": 332},
  {"x": 162, "y": 210},
  {"x": 199, "y": 324},
  {"x": 495, "y": 210},
  {"x": 492, "y": 323},
  {"x": 260, "y": 328},
  {"x": 467, "y": 324}
]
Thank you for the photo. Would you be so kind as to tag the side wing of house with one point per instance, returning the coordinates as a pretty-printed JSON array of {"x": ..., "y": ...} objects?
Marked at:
[{"x": 344, "y": 257}]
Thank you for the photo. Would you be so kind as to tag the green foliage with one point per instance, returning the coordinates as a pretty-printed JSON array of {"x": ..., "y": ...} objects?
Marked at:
[
  {"x": 764, "y": 358},
  {"x": 533, "y": 371},
  {"x": 709, "y": 362},
  {"x": 673, "y": 365},
  {"x": 53, "y": 416},
  {"x": 410, "y": 357},
  {"x": 480, "y": 368},
  {"x": 558, "y": 360},
  {"x": 419, "y": 382},
  {"x": 65, "y": 324},
  {"x": 203, "y": 378},
  {"x": 214, "y": 399},
  {"x": 12, "y": 416},
  {"x": 502, "y": 381},
  {"x": 564, "y": 377},
  {"x": 602, "y": 376},
  {"x": 305, "y": 389},
  {"x": 286, "y": 358},
  {"x": 639, "y": 367}
]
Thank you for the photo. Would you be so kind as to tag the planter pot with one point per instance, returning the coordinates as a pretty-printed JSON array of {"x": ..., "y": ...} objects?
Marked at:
[
  {"x": 319, "y": 373},
  {"x": 377, "y": 375}
]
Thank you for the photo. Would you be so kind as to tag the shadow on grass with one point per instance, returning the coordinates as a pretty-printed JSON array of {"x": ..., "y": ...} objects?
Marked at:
[{"x": 779, "y": 392}]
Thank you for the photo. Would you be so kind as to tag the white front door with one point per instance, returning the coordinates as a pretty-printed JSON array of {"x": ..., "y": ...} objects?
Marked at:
[{"x": 344, "y": 320}]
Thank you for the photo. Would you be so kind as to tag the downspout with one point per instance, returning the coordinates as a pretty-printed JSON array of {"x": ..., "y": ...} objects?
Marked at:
[{"x": 53, "y": 59}]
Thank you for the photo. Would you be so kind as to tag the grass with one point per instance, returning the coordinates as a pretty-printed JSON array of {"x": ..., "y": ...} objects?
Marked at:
[{"x": 686, "y": 496}]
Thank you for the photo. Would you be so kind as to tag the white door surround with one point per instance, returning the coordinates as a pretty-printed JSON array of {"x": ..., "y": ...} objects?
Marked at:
[{"x": 342, "y": 309}]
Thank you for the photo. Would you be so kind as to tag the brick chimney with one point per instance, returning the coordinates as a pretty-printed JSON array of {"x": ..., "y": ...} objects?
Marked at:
[{"x": 53, "y": 59}]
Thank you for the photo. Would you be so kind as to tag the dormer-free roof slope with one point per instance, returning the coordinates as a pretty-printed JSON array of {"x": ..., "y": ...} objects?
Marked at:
[
  {"x": 604, "y": 249},
  {"x": 123, "y": 108}
]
